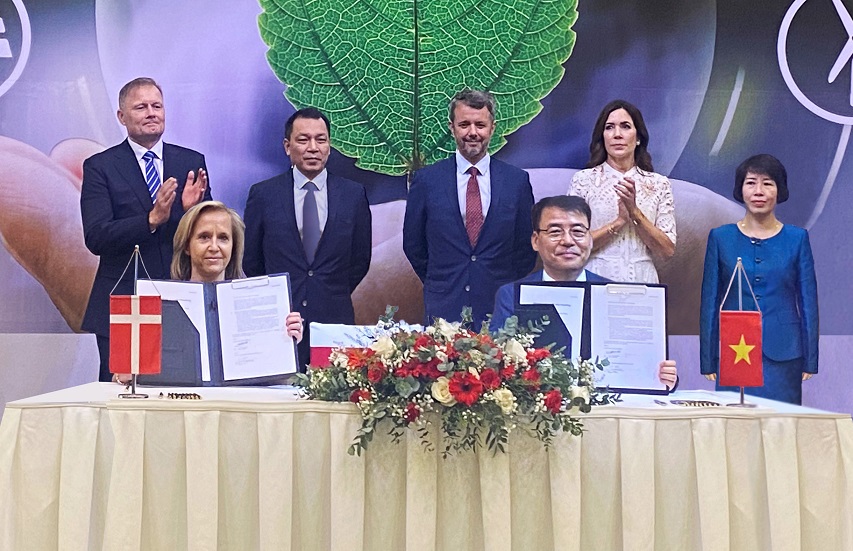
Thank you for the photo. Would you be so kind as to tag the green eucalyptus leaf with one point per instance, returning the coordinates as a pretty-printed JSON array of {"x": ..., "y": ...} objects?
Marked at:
[
  {"x": 384, "y": 70},
  {"x": 407, "y": 386}
]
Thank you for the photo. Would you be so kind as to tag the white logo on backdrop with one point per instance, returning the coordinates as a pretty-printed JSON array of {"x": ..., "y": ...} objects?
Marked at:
[
  {"x": 7, "y": 54},
  {"x": 844, "y": 57}
]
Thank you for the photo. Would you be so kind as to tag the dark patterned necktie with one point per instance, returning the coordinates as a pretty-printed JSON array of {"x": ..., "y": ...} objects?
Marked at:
[
  {"x": 473, "y": 208},
  {"x": 310, "y": 222}
]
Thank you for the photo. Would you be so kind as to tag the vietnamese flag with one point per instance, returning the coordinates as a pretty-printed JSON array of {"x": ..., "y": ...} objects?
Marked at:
[
  {"x": 136, "y": 334},
  {"x": 740, "y": 348}
]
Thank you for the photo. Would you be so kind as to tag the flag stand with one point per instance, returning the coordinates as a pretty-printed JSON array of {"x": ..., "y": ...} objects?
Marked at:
[
  {"x": 740, "y": 273},
  {"x": 136, "y": 258}
]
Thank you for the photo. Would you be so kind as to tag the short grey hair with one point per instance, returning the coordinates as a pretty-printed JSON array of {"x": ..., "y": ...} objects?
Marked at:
[{"x": 134, "y": 84}]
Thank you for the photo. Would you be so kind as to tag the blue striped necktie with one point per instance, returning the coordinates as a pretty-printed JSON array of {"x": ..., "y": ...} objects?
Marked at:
[{"x": 152, "y": 177}]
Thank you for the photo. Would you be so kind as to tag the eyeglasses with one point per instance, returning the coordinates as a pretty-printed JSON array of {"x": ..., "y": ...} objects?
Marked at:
[{"x": 556, "y": 234}]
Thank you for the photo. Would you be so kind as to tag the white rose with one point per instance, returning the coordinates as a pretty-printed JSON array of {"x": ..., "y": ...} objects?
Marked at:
[
  {"x": 504, "y": 398},
  {"x": 384, "y": 346},
  {"x": 445, "y": 328},
  {"x": 515, "y": 351},
  {"x": 441, "y": 391},
  {"x": 575, "y": 392}
]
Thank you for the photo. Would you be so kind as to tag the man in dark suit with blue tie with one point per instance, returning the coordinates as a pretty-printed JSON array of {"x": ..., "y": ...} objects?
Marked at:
[
  {"x": 467, "y": 218},
  {"x": 135, "y": 193},
  {"x": 311, "y": 224}
]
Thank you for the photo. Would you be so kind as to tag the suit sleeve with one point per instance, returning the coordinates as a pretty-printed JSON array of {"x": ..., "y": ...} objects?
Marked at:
[
  {"x": 103, "y": 232},
  {"x": 524, "y": 257},
  {"x": 504, "y": 307},
  {"x": 361, "y": 240},
  {"x": 709, "y": 339},
  {"x": 414, "y": 227},
  {"x": 253, "y": 255},
  {"x": 207, "y": 195},
  {"x": 808, "y": 305}
]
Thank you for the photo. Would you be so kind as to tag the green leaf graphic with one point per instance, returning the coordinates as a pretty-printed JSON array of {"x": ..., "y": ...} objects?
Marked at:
[{"x": 384, "y": 70}]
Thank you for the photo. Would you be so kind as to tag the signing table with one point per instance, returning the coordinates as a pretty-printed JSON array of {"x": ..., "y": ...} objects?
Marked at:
[{"x": 257, "y": 468}]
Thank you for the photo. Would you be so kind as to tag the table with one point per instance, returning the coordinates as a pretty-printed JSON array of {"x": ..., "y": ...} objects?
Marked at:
[{"x": 255, "y": 468}]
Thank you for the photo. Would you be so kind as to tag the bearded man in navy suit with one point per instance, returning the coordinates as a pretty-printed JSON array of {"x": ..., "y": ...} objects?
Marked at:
[
  {"x": 311, "y": 224},
  {"x": 135, "y": 193},
  {"x": 467, "y": 218}
]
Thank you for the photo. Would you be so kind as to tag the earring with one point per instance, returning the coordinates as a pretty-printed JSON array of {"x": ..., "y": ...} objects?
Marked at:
[{"x": 638, "y": 142}]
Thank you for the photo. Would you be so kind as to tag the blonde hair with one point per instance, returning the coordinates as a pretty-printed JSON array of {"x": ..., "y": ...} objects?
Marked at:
[{"x": 181, "y": 262}]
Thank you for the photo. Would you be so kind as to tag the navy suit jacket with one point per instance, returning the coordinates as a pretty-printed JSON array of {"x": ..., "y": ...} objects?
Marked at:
[
  {"x": 114, "y": 204},
  {"x": 505, "y": 297},
  {"x": 455, "y": 274},
  {"x": 321, "y": 290}
]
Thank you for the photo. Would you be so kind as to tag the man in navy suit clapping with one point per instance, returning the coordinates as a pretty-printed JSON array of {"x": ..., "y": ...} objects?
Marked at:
[{"x": 135, "y": 193}]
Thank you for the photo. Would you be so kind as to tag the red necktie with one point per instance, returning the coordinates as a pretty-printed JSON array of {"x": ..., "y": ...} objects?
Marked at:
[{"x": 473, "y": 208}]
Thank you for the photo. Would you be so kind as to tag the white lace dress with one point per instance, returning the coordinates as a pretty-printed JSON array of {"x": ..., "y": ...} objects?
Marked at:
[{"x": 626, "y": 258}]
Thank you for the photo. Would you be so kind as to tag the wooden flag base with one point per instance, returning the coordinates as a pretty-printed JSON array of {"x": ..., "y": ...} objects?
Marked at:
[{"x": 742, "y": 404}]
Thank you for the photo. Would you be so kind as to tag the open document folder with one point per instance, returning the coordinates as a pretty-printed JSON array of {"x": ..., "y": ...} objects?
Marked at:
[
  {"x": 229, "y": 332},
  {"x": 625, "y": 323}
]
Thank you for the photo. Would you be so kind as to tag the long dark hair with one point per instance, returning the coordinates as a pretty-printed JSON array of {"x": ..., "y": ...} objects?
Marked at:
[{"x": 597, "y": 152}]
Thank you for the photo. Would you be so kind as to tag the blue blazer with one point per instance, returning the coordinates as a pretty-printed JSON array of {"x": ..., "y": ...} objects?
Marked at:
[
  {"x": 505, "y": 297},
  {"x": 781, "y": 271},
  {"x": 114, "y": 204},
  {"x": 455, "y": 274},
  {"x": 321, "y": 290}
]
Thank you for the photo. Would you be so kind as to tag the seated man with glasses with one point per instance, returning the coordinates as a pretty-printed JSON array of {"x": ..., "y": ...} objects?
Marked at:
[{"x": 562, "y": 238}]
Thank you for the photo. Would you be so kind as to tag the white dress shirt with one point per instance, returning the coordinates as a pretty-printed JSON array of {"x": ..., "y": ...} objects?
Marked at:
[
  {"x": 321, "y": 195},
  {"x": 484, "y": 182},
  {"x": 546, "y": 277},
  {"x": 139, "y": 151}
]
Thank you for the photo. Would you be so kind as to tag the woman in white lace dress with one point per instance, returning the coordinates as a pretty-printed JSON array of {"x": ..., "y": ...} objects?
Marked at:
[{"x": 633, "y": 217}]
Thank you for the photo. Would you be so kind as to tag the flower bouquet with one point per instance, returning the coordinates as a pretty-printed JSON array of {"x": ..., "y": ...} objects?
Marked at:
[{"x": 479, "y": 387}]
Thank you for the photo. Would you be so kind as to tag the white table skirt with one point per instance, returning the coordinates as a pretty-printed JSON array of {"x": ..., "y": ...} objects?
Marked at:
[{"x": 255, "y": 469}]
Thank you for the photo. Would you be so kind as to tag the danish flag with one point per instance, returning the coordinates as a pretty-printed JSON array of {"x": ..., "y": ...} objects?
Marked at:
[{"x": 136, "y": 334}]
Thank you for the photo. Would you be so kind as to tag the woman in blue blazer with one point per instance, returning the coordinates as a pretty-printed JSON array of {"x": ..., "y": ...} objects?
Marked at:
[{"x": 778, "y": 261}]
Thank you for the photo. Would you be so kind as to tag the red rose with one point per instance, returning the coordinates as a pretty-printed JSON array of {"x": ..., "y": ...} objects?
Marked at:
[
  {"x": 531, "y": 375},
  {"x": 412, "y": 413},
  {"x": 423, "y": 341},
  {"x": 553, "y": 401},
  {"x": 465, "y": 387},
  {"x": 405, "y": 370},
  {"x": 451, "y": 352},
  {"x": 375, "y": 373},
  {"x": 429, "y": 370},
  {"x": 537, "y": 355},
  {"x": 490, "y": 379},
  {"x": 508, "y": 371},
  {"x": 359, "y": 395}
]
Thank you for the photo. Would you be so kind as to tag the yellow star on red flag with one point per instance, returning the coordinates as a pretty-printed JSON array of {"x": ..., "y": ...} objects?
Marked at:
[{"x": 742, "y": 350}]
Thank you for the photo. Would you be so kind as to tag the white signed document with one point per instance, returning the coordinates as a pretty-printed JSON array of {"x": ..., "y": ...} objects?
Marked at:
[
  {"x": 190, "y": 296},
  {"x": 628, "y": 327},
  {"x": 568, "y": 301},
  {"x": 252, "y": 328}
]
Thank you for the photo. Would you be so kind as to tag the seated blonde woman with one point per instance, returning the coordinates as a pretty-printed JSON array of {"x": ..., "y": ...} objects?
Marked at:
[{"x": 208, "y": 246}]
